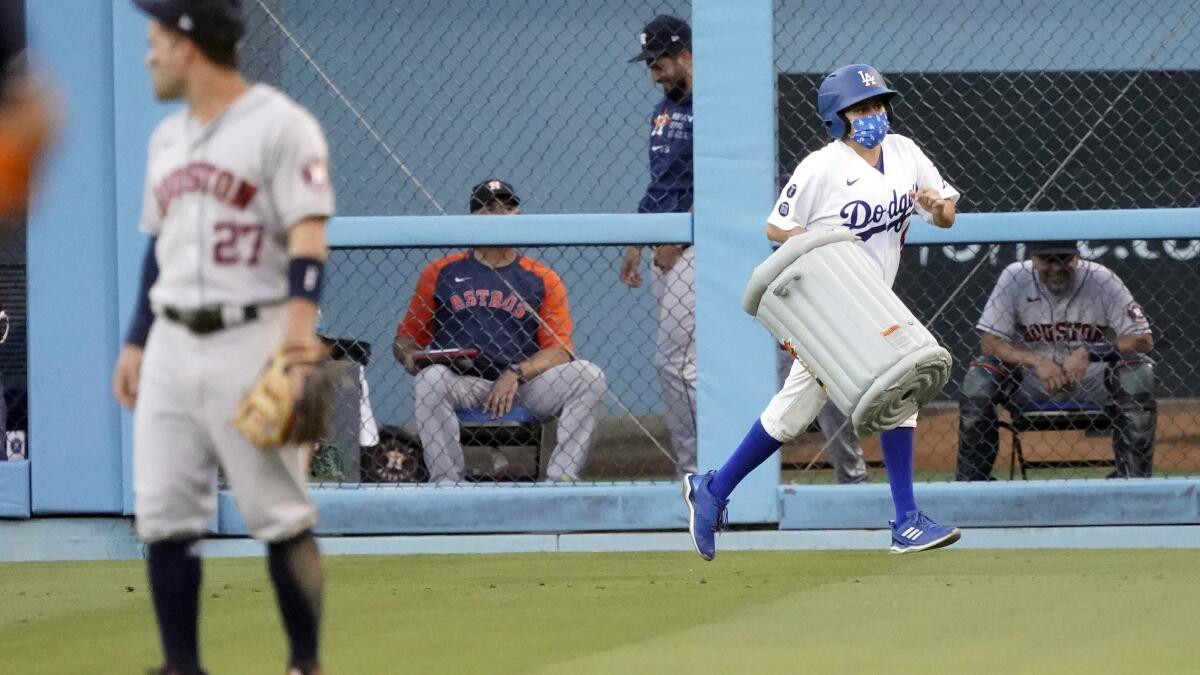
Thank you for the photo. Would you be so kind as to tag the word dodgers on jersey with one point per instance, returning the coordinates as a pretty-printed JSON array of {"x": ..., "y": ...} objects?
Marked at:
[
  {"x": 833, "y": 187},
  {"x": 860, "y": 214}
]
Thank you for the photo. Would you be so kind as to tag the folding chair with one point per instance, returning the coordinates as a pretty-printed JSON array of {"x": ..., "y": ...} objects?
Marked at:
[
  {"x": 1051, "y": 416},
  {"x": 520, "y": 428}
]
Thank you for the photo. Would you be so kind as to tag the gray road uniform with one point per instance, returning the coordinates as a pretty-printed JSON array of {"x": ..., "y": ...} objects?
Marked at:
[
  {"x": 1098, "y": 308},
  {"x": 220, "y": 199},
  {"x": 670, "y": 191},
  {"x": 675, "y": 355}
]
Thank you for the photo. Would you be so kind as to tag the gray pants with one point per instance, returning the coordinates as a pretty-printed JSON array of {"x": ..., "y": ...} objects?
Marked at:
[
  {"x": 1125, "y": 390},
  {"x": 189, "y": 388},
  {"x": 572, "y": 392},
  {"x": 675, "y": 294},
  {"x": 840, "y": 439}
]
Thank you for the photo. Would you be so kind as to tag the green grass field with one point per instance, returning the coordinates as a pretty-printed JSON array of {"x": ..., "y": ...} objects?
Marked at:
[{"x": 823, "y": 612}]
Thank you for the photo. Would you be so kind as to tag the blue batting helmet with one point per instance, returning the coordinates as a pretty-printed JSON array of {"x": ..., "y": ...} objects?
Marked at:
[{"x": 843, "y": 88}]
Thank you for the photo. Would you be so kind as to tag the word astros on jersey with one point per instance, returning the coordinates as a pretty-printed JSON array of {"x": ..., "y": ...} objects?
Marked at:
[{"x": 492, "y": 299}]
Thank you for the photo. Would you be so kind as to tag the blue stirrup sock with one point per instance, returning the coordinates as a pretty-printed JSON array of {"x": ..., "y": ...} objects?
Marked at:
[
  {"x": 754, "y": 449},
  {"x": 175, "y": 574},
  {"x": 898, "y": 458}
]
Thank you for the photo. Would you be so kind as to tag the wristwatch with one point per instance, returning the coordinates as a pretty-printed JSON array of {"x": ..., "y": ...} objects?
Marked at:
[{"x": 515, "y": 368}]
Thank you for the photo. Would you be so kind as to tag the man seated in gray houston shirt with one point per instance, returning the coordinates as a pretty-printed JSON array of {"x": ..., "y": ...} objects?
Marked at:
[{"x": 1057, "y": 328}]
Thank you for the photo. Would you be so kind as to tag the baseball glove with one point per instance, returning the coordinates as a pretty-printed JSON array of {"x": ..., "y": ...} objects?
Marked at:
[{"x": 272, "y": 413}]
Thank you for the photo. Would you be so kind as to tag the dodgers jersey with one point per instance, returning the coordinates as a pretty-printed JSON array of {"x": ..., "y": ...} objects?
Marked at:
[
  {"x": 221, "y": 197},
  {"x": 1098, "y": 307},
  {"x": 834, "y": 187},
  {"x": 670, "y": 189}
]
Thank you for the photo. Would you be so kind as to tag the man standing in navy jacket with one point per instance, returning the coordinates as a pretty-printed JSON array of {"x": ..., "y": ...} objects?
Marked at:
[{"x": 666, "y": 49}]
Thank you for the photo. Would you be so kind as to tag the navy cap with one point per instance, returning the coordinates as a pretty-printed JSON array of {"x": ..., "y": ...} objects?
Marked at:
[
  {"x": 1040, "y": 248},
  {"x": 492, "y": 189},
  {"x": 664, "y": 34},
  {"x": 220, "y": 19}
]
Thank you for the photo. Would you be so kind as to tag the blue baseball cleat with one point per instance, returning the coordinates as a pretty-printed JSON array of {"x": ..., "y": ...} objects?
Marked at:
[
  {"x": 706, "y": 513},
  {"x": 919, "y": 532}
]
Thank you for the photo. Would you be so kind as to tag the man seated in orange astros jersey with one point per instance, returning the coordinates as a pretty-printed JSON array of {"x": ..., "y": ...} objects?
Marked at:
[{"x": 508, "y": 315}]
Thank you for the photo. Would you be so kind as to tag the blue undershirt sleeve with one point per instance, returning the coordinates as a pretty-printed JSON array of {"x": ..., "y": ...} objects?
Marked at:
[{"x": 143, "y": 317}]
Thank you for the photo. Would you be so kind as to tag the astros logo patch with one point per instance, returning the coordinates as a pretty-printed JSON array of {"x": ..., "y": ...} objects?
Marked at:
[{"x": 660, "y": 123}]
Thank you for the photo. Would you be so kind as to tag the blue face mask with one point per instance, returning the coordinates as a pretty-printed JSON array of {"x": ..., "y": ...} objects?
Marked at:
[{"x": 868, "y": 131}]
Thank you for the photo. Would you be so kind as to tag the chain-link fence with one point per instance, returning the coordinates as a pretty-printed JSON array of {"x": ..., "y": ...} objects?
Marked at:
[
  {"x": 401, "y": 430},
  {"x": 505, "y": 364},
  {"x": 1122, "y": 412},
  {"x": 421, "y": 99},
  {"x": 14, "y": 416},
  {"x": 553, "y": 98},
  {"x": 1023, "y": 106}
]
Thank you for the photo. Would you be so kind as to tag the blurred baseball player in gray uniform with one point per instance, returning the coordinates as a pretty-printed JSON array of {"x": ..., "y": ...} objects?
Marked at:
[
  {"x": 27, "y": 115},
  {"x": 667, "y": 51},
  {"x": 1057, "y": 328},
  {"x": 236, "y": 198}
]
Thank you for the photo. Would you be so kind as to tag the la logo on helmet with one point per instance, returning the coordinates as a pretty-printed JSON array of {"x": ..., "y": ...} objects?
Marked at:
[{"x": 868, "y": 79}]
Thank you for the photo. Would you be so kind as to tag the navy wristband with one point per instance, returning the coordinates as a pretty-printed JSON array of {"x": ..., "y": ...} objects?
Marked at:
[{"x": 306, "y": 278}]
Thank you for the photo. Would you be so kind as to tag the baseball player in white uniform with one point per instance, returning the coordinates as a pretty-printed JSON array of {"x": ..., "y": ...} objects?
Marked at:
[
  {"x": 871, "y": 182},
  {"x": 1062, "y": 332},
  {"x": 237, "y": 195}
]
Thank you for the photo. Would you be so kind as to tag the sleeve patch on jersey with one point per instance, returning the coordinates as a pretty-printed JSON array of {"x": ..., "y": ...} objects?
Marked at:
[
  {"x": 791, "y": 191},
  {"x": 315, "y": 173},
  {"x": 783, "y": 209},
  {"x": 1135, "y": 312}
]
